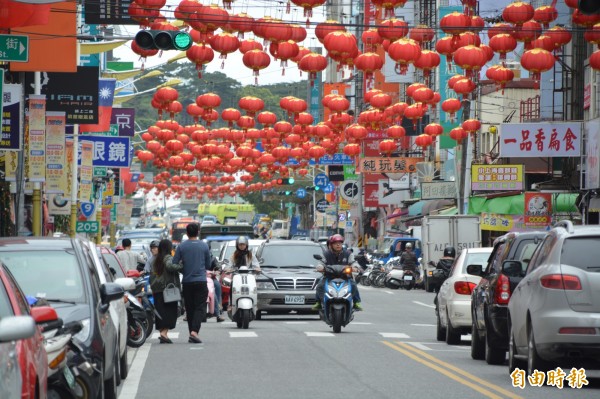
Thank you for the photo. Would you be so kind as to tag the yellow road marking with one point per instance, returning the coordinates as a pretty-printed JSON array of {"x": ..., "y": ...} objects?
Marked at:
[{"x": 444, "y": 368}]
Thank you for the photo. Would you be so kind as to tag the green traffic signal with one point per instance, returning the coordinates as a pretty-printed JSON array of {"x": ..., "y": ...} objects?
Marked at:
[{"x": 163, "y": 40}]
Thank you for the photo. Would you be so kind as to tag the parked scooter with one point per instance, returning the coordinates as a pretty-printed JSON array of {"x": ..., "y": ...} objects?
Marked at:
[
  {"x": 243, "y": 297},
  {"x": 338, "y": 305},
  {"x": 137, "y": 322},
  {"x": 143, "y": 294}
]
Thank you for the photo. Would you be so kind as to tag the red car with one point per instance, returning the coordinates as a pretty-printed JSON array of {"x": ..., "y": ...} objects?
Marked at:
[{"x": 33, "y": 362}]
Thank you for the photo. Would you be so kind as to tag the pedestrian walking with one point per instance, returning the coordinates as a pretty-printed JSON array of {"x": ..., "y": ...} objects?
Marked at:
[
  {"x": 164, "y": 272},
  {"x": 196, "y": 259}
]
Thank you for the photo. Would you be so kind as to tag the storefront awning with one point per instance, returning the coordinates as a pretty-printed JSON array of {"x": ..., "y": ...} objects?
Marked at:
[
  {"x": 397, "y": 213},
  {"x": 425, "y": 207},
  {"x": 515, "y": 204}
]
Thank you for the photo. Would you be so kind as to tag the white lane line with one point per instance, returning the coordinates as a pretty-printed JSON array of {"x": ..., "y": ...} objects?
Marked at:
[
  {"x": 424, "y": 304},
  {"x": 423, "y": 325},
  {"x": 388, "y": 292},
  {"x": 360, "y": 323},
  {"x": 242, "y": 334},
  {"x": 129, "y": 387},
  {"x": 172, "y": 335},
  {"x": 296, "y": 322},
  {"x": 319, "y": 334},
  {"x": 394, "y": 335},
  {"x": 419, "y": 346}
]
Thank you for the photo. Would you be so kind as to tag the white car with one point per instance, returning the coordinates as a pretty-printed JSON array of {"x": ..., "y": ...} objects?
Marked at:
[
  {"x": 117, "y": 310},
  {"x": 454, "y": 296}
]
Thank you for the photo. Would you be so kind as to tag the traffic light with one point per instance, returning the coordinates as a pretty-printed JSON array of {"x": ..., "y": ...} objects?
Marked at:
[
  {"x": 284, "y": 193},
  {"x": 163, "y": 40},
  {"x": 286, "y": 181},
  {"x": 589, "y": 7},
  {"x": 312, "y": 188}
]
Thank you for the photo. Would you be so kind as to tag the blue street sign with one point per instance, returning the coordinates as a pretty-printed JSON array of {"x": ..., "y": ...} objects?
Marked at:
[
  {"x": 87, "y": 209},
  {"x": 329, "y": 188},
  {"x": 113, "y": 152},
  {"x": 301, "y": 193},
  {"x": 321, "y": 180}
]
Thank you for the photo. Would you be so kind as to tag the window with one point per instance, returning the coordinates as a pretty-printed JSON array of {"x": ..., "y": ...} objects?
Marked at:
[
  {"x": 581, "y": 252},
  {"x": 541, "y": 253},
  {"x": 475, "y": 259},
  {"x": 6, "y": 309},
  {"x": 290, "y": 255},
  {"x": 495, "y": 258}
]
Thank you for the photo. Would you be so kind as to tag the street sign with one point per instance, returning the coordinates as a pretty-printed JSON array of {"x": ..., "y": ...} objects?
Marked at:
[
  {"x": 301, "y": 193},
  {"x": 87, "y": 209},
  {"x": 349, "y": 190},
  {"x": 321, "y": 180},
  {"x": 322, "y": 205},
  {"x": 99, "y": 171},
  {"x": 329, "y": 188},
  {"x": 14, "y": 48},
  {"x": 87, "y": 227}
]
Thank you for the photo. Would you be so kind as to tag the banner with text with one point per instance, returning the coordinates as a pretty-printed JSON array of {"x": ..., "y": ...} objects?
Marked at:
[
  {"x": 86, "y": 170},
  {"x": 388, "y": 165},
  {"x": 37, "y": 139},
  {"x": 538, "y": 209},
  {"x": 112, "y": 152},
  {"x": 496, "y": 177},
  {"x": 555, "y": 139},
  {"x": 11, "y": 117},
  {"x": 55, "y": 152}
]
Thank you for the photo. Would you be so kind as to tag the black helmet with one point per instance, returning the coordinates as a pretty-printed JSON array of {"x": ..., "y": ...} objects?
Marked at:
[
  {"x": 154, "y": 244},
  {"x": 241, "y": 240},
  {"x": 450, "y": 251}
]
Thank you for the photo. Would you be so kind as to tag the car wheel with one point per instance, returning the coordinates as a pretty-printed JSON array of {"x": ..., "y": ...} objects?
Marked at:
[
  {"x": 440, "y": 331},
  {"x": 452, "y": 335},
  {"x": 513, "y": 362},
  {"x": 534, "y": 361},
  {"x": 124, "y": 365},
  {"x": 493, "y": 355},
  {"x": 258, "y": 315},
  {"x": 110, "y": 385},
  {"x": 477, "y": 345}
]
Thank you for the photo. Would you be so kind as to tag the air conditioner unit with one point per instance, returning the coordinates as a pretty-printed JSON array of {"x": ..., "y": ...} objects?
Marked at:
[{"x": 425, "y": 171}]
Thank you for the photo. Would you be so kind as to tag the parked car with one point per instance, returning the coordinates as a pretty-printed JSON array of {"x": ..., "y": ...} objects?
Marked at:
[
  {"x": 288, "y": 278},
  {"x": 22, "y": 340},
  {"x": 489, "y": 301},
  {"x": 62, "y": 272},
  {"x": 454, "y": 297},
  {"x": 554, "y": 314},
  {"x": 112, "y": 260}
]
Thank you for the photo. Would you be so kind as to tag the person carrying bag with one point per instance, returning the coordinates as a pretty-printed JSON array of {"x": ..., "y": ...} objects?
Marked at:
[{"x": 164, "y": 281}]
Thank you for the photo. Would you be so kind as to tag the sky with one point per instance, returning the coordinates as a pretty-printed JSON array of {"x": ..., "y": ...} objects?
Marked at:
[{"x": 234, "y": 67}]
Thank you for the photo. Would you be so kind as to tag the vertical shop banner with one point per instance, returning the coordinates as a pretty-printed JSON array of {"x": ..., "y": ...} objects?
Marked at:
[
  {"x": 12, "y": 105},
  {"x": 592, "y": 152},
  {"x": 538, "y": 209},
  {"x": 11, "y": 160},
  {"x": 55, "y": 152},
  {"x": 37, "y": 138},
  {"x": 106, "y": 93},
  {"x": 86, "y": 171},
  {"x": 69, "y": 154}
]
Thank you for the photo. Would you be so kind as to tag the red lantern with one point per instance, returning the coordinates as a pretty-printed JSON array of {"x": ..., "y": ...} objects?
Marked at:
[
  {"x": 240, "y": 23},
  {"x": 312, "y": 63},
  {"x": 537, "y": 61},
  {"x": 502, "y": 44},
  {"x": 423, "y": 140},
  {"x": 392, "y": 29},
  {"x": 595, "y": 60},
  {"x": 404, "y": 52},
  {"x": 423, "y": 95},
  {"x": 518, "y": 13},
  {"x": 545, "y": 14},
  {"x": 454, "y": 24},
  {"x": 368, "y": 63},
  {"x": 356, "y": 132},
  {"x": 414, "y": 112},
  {"x": 470, "y": 58},
  {"x": 381, "y": 101},
  {"x": 500, "y": 28},
  {"x": 433, "y": 129},
  {"x": 230, "y": 115},
  {"x": 422, "y": 34},
  {"x": 266, "y": 118},
  {"x": 286, "y": 51},
  {"x": 324, "y": 28},
  {"x": 471, "y": 126},
  {"x": 585, "y": 20},
  {"x": 371, "y": 40},
  {"x": 256, "y": 60},
  {"x": 427, "y": 61},
  {"x": 387, "y": 146},
  {"x": 395, "y": 132},
  {"x": 224, "y": 43},
  {"x": 464, "y": 86},
  {"x": 451, "y": 106},
  {"x": 208, "y": 101},
  {"x": 248, "y": 45},
  {"x": 251, "y": 104},
  {"x": 308, "y": 6},
  {"x": 338, "y": 104},
  {"x": 200, "y": 55},
  {"x": 339, "y": 43},
  {"x": 445, "y": 46},
  {"x": 352, "y": 150},
  {"x": 530, "y": 31},
  {"x": 500, "y": 75},
  {"x": 559, "y": 35},
  {"x": 458, "y": 134},
  {"x": 592, "y": 35}
]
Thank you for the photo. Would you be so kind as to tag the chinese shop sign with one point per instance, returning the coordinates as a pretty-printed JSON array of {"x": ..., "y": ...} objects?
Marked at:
[{"x": 523, "y": 140}]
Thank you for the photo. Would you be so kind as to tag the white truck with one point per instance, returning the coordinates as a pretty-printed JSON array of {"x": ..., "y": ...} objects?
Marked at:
[{"x": 438, "y": 232}]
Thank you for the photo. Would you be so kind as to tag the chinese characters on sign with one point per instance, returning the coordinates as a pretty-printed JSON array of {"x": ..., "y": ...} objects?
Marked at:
[
  {"x": 538, "y": 209},
  {"x": 496, "y": 177},
  {"x": 37, "y": 139},
  {"x": 11, "y": 121},
  {"x": 556, "y": 378},
  {"x": 438, "y": 190},
  {"x": 86, "y": 150},
  {"x": 388, "y": 165},
  {"x": 519, "y": 140},
  {"x": 109, "y": 151},
  {"x": 124, "y": 118},
  {"x": 56, "y": 175}
]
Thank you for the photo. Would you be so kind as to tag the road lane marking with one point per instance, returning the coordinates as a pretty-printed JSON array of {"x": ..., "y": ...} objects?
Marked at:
[
  {"x": 242, "y": 334},
  {"x": 394, "y": 335},
  {"x": 423, "y": 325},
  {"x": 388, "y": 292},
  {"x": 296, "y": 322},
  {"x": 424, "y": 304},
  {"x": 444, "y": 368},
  {"x": 319, "y": 334},
  {"x": 420, "y": 346},
  {"x": 172, "y": 335},
  {"x": 129, "y": 387},
  {"x": 361, "y": 323}
]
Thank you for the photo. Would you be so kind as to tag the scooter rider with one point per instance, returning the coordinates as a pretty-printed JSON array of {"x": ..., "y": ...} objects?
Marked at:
[
  {"x": 445, "y": 264},
  {"x": 408, "y": 259},
  {"x": 243, "y": 257},
  {"x": 336, "y": 255}
]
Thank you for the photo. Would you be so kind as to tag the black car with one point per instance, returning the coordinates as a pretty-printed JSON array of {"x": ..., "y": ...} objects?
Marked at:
[
  {"x": 289, "y": 279},
  {"x": 489, "y": 300},
  {"x": 61, "y": 271}
]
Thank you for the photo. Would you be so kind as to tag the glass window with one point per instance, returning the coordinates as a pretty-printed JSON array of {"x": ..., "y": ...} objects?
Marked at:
[
  {"x": 47, "y": 274},
  {"x": 290, "y": 255},
  {"x": 6, "y": 309},
  {"x": 497, "y": 255},
  {"x": 111, "y": 261},
  {"x": 541, "y": 253},
  {"x": 475, "y": 259},
  {"x": 581, "y": 252}
]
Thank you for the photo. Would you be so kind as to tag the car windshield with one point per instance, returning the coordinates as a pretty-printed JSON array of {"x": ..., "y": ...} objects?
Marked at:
[
  {"x": 476, "y": 259},
  {"x": 582, "y": 252},
  {"x": 385, "y": 245},
  {"x": 112, "y": 262},
  {"x": 230, "y": 249},
  {"x": 290, "y": 255},
  {"x": 53, "y": 275}
]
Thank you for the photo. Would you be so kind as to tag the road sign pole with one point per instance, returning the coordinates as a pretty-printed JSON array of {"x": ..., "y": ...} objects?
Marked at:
[
  {"x": 37, "y": 186},
  {"x": 74, "y": 172}
]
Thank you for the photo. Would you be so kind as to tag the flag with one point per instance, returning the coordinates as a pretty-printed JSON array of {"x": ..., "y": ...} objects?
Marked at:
[{"x": 106, "y": 93}]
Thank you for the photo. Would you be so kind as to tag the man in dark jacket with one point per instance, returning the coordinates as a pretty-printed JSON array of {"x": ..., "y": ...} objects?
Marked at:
[
  {"x": 196, "y": 258},
  {"x": 337, "y": 255},
  {"x": 445, "y": 264},
  {"x": 408, "y": 259}
]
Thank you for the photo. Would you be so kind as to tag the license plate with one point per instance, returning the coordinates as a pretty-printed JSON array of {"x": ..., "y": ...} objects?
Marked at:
[
  {"x": 294, "y": 299},
  {"x": 69, "y": 377},
  {"x": 408, "y": 278}
]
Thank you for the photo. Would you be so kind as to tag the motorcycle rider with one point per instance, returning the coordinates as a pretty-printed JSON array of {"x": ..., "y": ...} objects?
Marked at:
[
  {"x": 445, "y": 264},
  {"x": 408, "y": 259},
  {"x": 242, "y": 257},
  {"x": 336, "y": 255}
]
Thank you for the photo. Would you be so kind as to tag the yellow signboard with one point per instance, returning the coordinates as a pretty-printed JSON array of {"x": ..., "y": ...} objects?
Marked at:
[
  {"x": 496, "y": 177},
  {"x": 388, "y": 164}
]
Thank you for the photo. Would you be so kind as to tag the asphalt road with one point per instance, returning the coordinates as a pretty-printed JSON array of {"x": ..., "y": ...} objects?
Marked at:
[{"x": 388, "y": 351}]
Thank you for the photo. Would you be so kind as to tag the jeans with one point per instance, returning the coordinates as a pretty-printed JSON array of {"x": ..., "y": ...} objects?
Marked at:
[
  {"x": 194, "y": 297},
  {"x": 320, "y": 290},
  {"x": 217, "y": 297}
]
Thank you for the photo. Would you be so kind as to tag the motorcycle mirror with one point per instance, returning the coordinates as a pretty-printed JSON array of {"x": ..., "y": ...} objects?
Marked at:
[{"x": 318, "y": 257}]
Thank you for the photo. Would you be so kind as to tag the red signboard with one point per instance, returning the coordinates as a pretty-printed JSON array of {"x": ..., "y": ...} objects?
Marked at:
[
  {"x": 371, "y": 196},
  {"x": 538, "y": 209}
]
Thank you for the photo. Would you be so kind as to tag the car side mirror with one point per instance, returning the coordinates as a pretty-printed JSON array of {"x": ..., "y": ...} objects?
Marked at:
[
  {"x": 512, "y": 268},
  {"x": 133, "y": 273},
  {"x": 318, "y": 257},
  {"x": 110, "y": 292},
  {"x": 475, "y": 270},
  {"x": 13, "y": 328},
  {"x": 46, "y": 317}
]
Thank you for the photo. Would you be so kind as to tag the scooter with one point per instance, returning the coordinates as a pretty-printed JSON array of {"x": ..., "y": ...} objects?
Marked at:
[
  {"x": 137, "y": 322},
  {"x": 210, "y": 299},
  {"x": 243, "y": 297},
  {"x": 338, "y": 305}
]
